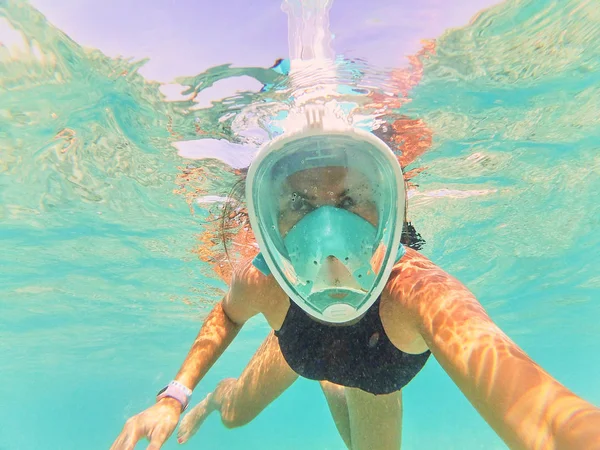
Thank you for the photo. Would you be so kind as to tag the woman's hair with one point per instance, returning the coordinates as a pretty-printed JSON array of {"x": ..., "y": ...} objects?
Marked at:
[{"x": 235, "y": 212}]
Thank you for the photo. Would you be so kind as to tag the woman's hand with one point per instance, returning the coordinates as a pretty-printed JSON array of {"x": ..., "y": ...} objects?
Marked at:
[{"x": 156, "y": 423}]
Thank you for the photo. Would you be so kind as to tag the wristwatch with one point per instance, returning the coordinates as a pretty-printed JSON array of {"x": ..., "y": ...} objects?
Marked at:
[{"x": 177, "y": 391}]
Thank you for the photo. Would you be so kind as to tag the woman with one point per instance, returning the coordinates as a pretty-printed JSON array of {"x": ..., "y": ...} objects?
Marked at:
[{"x": 354, "y": 309}]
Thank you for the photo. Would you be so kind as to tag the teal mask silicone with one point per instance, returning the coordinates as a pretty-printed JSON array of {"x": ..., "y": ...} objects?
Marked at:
[{"x": 316, "y": 239}]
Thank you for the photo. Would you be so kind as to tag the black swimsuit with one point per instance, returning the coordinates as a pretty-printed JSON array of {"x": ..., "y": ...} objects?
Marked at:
[{"x": 358, "y": 355}]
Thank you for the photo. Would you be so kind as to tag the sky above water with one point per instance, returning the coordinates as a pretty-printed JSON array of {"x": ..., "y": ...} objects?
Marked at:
[{"x": 186, "y": 37}]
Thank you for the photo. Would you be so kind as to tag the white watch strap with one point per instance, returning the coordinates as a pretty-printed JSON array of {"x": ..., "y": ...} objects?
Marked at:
[{"x": 178, "y": 391}]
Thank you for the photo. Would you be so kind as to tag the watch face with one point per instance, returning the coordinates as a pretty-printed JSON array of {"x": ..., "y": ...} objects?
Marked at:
[{"x": 161, "y": 391}]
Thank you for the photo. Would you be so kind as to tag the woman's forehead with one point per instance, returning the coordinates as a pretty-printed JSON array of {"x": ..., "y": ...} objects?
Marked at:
[{"x": 326, "y": 178}]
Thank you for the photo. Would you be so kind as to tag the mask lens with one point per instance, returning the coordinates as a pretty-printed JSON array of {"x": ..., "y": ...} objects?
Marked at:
[{"x": 326, "y": 211}]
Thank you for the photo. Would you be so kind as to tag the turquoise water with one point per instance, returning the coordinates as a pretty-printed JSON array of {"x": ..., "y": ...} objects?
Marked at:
[{"x": 101, "y": 289}]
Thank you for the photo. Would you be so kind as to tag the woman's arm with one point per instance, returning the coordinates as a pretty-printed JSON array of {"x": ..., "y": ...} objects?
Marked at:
[
  {"x": 244, "y": 299},
  {"x": 222, "y": 325},
  {"x": 217, "y": 332},
  {"x": 526, "y": 407}
]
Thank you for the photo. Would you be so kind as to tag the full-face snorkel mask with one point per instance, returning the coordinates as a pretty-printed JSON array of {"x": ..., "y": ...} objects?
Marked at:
[{"x": 330, "y": 257}]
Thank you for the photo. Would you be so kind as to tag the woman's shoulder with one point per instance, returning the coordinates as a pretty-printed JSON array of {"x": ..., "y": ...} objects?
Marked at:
[
  {"x": 251, "y": 284},
  {"x": 415, "y": 283},
  {"x": 414, "y": 276},
  {"x": 412, "y": 267}
]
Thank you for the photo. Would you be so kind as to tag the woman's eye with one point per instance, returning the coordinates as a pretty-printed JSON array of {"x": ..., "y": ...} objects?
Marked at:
[{"x": 347, "y": 202}]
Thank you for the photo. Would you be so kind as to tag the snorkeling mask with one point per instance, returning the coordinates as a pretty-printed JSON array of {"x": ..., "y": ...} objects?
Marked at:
[{"x": 330, "y": 257}]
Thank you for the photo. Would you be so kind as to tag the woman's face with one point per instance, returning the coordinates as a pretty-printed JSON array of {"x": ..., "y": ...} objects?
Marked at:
[{"x": 306, "y": 190}]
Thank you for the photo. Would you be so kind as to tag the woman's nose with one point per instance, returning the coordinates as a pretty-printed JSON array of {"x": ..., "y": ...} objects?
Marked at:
[{"x": 336, "y": 273}]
